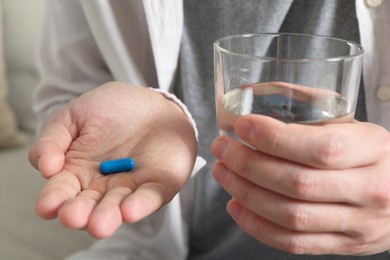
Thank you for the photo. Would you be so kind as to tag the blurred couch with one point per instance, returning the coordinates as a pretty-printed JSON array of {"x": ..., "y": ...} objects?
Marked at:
[{"x": 23, "y": 235}]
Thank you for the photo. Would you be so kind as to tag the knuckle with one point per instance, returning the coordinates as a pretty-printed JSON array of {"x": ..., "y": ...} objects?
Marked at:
[
  {"x": 298, "y": 219},
  {"x": 303, "y": 184},
  {"x": 382, "y": 199},
  {"x": 379, "y": 195},
  {"x": 329, "y": 150},
  {"x": 297, "y": 246}
]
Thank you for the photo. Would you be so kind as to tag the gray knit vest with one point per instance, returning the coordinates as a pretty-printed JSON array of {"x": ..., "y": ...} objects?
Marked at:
[{"x": 213, "y": 234}]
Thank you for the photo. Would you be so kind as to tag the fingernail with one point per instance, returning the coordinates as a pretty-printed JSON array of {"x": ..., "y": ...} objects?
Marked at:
[
  {"x": 235, "y": 209},
  {"x": 220, "y": 172},
  {"x": 220, "y": 147},
  {"x": 245, "y": 129}
]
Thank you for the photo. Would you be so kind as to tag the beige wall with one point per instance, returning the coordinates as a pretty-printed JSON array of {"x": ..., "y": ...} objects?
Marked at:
[{"x": 22, "y": 23}]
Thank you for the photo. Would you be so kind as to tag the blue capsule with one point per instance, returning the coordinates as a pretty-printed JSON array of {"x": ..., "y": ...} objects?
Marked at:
[{"x": 115, "y": 166}]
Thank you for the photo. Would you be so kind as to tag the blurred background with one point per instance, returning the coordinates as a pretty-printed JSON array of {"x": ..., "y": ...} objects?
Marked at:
[{"x": 23, "y": 235}]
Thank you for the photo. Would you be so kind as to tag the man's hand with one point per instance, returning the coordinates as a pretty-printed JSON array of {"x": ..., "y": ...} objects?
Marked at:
[
  {"x": 113, "y": 121},
  {"x": 308, "y": 189}
]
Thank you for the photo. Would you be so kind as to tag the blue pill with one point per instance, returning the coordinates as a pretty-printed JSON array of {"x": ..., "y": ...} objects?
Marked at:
[{"x": 115, "y": 166}]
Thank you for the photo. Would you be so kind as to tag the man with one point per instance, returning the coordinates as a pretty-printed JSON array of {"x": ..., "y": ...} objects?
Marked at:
[{"x": 328, "y": 188}]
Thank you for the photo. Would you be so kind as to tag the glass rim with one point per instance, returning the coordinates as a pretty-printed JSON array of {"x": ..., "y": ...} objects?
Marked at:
[{"x": 359, "y": 48}]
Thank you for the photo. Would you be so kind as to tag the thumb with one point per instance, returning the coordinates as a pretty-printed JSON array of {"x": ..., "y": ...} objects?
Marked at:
[{"x": 47, "y": 154}]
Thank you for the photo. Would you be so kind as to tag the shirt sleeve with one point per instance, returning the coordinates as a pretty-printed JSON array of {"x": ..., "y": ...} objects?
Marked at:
[{"x": 69, "y": 60}]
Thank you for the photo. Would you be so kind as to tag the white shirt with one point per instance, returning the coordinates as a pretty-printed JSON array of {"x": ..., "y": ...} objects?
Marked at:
[
  {"x": 92, "y": 38},
  {"x": 374, "y": 24}
]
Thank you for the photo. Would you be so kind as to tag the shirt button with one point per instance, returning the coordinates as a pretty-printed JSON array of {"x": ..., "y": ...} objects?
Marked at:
[
  {"x": 373, "y": 3},
  {"x": 383, "y": 93}
]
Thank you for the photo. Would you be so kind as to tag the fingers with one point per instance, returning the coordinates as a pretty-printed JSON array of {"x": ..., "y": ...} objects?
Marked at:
[
  {"x": 332, "y": 146},
  {"x": 147, "y": 199},
  {"x": 47, "y": 157},
  {"x": 75, "y": 212},
  {"x": 289, "y": 178},
  {"x": 101, "y": 212},
  {"x": 317, "y": 189},
  {"x": 100, "y": 215},
  {"x": 367, "y": 240},
  {"x": 301, "y": 226},
  {"x": 284, "y": 211},
  {"x": 59, "y": 189},
  {"x": 292, "y": 241},
  {"x": 107, "y": 216},
  {"x": 47, "y": 154}
]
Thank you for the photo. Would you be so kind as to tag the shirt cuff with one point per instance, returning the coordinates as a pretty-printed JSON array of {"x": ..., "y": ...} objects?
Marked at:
[
  {"x": 183, "y": 107},
  {"x": 200, "y": 161}
]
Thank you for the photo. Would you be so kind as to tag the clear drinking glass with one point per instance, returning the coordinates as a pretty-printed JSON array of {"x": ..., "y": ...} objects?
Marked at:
[{"x": 295, "y": 78}]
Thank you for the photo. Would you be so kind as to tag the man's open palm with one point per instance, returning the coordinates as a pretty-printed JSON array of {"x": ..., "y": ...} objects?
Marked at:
[{"x": 114, "y": 121}]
